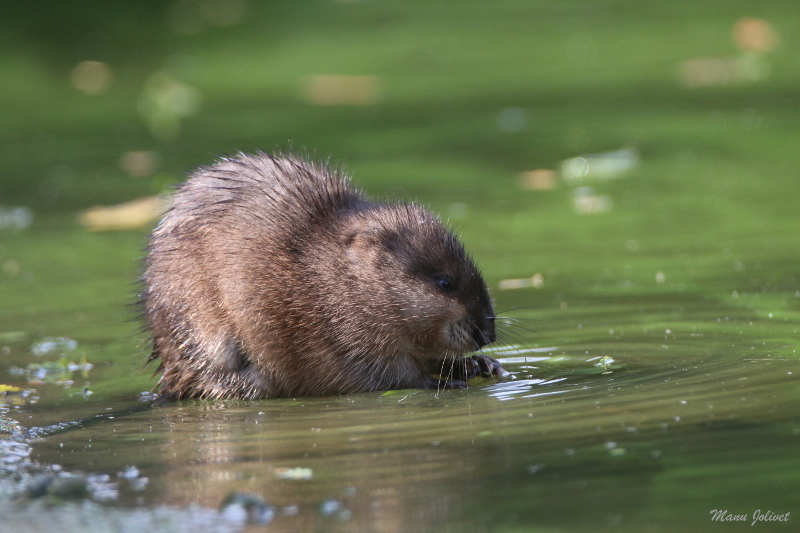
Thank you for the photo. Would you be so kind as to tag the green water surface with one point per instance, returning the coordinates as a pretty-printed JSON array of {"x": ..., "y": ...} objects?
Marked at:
[{"x": 653, "y": 362}]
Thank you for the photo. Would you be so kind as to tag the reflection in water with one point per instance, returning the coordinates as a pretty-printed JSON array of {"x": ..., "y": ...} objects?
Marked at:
[
  {"x": 563, "y": 442},
  {"x": 389, "y": 475},
  {"x": 523, "y": 388}
]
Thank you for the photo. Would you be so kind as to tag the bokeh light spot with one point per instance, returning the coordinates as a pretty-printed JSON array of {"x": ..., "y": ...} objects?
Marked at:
[
  {"x": 139, "y": 164},
  {"x": 754, "y": 35},
  {"x": 331, "y": 89},
  {"x": 92, "y": 77}
]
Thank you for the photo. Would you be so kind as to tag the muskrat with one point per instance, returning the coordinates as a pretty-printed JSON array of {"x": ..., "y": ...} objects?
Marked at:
[{"x": 270, "y": 276}]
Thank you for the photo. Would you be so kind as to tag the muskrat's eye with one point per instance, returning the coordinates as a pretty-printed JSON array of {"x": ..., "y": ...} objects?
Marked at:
[{"x": 446, "y": 284}]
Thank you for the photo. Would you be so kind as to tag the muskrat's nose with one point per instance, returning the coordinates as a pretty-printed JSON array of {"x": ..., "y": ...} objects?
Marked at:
[{"x": 483, "y": 332}]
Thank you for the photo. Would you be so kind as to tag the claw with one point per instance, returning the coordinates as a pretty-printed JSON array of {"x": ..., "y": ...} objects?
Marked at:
[
  {"x": 489, "y": 366},
  {"x": 459, "y": 371}
]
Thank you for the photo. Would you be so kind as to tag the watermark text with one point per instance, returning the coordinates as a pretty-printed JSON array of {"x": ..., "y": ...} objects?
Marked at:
[{"x": 722, "y": 515}]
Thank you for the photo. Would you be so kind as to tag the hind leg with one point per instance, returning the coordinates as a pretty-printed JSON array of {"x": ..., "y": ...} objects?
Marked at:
[{"x": 214, "y": 368}]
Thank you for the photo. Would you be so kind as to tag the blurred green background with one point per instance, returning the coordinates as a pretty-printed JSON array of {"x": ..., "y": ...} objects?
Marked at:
[
  {"x": 626, "y": 173},
  {"x": 193, "y": 78},
  {"x": 477, "y": 109}
]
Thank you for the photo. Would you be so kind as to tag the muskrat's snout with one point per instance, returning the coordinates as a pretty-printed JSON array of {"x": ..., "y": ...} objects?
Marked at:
[{"x": 483, "y": 331}]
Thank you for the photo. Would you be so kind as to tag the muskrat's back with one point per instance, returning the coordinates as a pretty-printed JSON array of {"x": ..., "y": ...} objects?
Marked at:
[{"x": 271, "y": 277}]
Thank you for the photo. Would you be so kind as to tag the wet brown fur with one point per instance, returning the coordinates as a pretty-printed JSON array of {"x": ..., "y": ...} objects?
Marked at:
[{"x": 271, "y": 277}]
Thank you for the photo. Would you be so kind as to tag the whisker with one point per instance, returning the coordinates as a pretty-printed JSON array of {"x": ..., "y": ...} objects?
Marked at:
[
  {"x": 483, "y": 336},
  {"x": 516, "y": 338},
  {"x": 514, "y": 331},
  {"x": 523, "y": 328},
  {"x": 441, "y": 376},
  {"x": 520, "y": 319},
  {"x": 517, "y": 309},
  {"x": 480, "y": 351}
]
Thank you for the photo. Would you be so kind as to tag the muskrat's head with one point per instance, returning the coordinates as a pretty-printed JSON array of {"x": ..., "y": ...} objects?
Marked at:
[{"x": 425, "y": 278}]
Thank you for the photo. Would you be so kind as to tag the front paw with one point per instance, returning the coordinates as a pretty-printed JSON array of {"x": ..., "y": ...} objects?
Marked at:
[
  {"x": 487, "y": 366},
  {"x": 466, "y": 368}
]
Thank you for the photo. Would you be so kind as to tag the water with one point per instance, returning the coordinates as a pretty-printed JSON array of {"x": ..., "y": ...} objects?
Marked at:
[
  {"x": 629, "y": 190},
  {"x": 639, "y": 428}
]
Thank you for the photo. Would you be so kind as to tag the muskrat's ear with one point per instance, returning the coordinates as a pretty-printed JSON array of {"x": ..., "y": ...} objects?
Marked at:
[
  {"x": 360, "y": 231},
  {"x": 359, "y": 237},
  {"x": 361, "y": 244}
]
